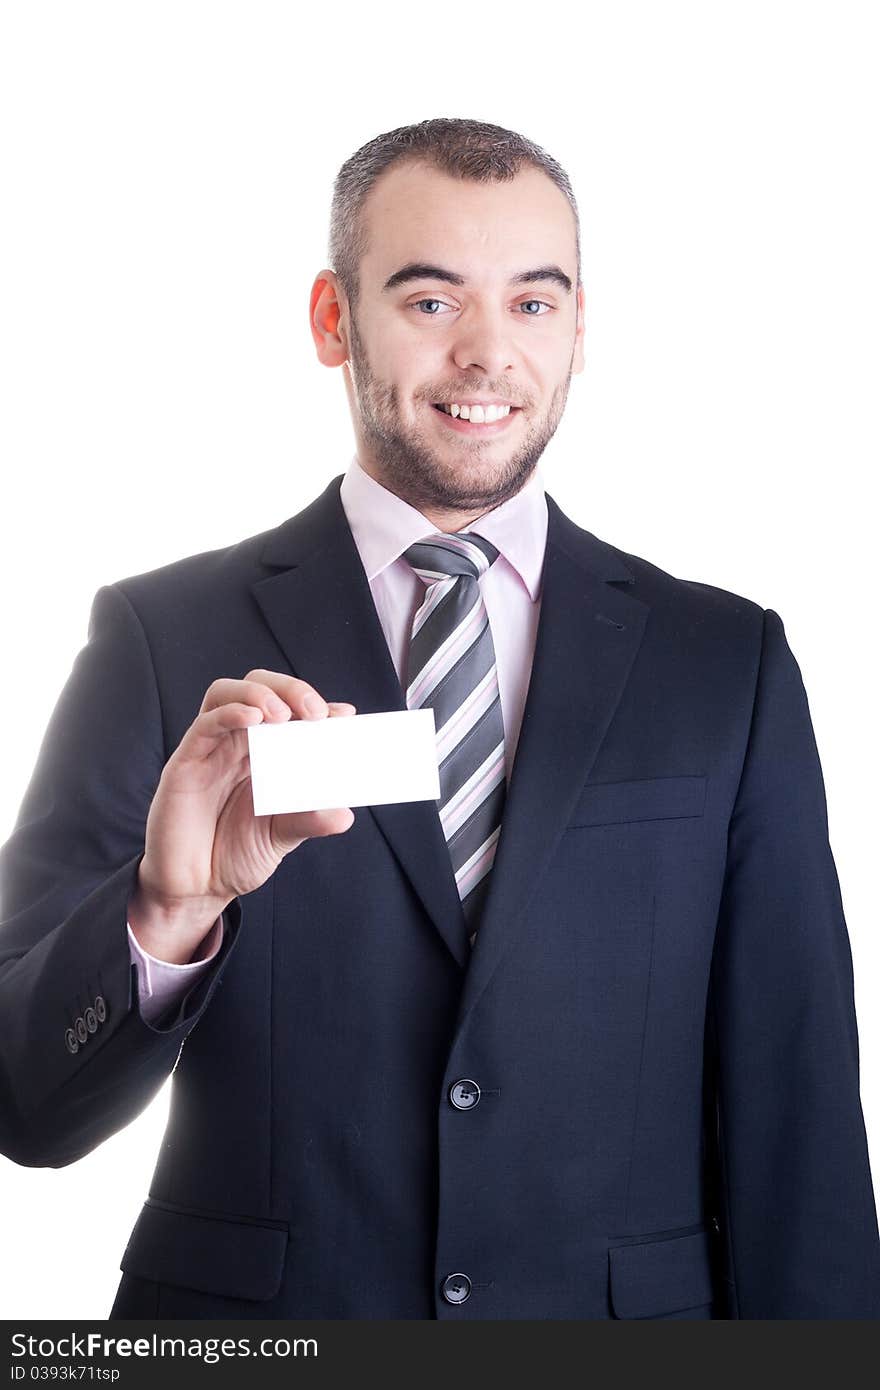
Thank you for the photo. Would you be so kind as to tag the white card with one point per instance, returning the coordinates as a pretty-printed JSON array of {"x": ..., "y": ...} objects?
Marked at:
[{"x": 347, "y": 760}]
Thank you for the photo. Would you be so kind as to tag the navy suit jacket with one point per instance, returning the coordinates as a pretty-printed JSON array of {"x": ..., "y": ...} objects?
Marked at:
[{"x": 657, "y": 1016}]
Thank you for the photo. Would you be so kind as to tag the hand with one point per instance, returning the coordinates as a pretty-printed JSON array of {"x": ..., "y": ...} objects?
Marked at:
[{"x": 204, "y": 846}]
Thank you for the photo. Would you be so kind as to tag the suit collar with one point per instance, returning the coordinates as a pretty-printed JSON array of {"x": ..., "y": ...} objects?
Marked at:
[
  {"x": 384, "y": 525},
  {"x": 318, "y": 524}
]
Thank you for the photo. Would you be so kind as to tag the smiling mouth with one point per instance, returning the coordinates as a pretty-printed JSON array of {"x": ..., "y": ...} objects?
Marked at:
[{"x": 476, "y": 415}]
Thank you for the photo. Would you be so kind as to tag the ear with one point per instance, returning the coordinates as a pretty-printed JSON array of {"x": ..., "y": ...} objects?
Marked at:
[
  {"x": 578, "y": 358},
  {"x": 327, "y": 309}
]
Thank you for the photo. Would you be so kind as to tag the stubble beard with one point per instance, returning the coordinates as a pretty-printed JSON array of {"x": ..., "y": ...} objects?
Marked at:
[{"x": 421, "y": 475}]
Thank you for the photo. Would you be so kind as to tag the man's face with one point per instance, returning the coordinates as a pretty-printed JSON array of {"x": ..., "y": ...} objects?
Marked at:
[{"x": 446, "y": 316}]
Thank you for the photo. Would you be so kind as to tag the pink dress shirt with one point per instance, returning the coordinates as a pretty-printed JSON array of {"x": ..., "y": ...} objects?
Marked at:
[{"x": 383, "y": 526}]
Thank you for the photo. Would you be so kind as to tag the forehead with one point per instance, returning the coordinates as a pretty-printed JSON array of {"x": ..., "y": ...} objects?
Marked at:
[{"x": 418, "y": 213}]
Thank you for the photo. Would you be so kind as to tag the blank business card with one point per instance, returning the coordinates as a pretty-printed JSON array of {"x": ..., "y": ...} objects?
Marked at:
[{"x": 347, "y": 760}]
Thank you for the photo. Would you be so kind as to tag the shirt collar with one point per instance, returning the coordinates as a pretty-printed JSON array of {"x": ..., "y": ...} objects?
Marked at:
[{"x": 384, "y": 525}]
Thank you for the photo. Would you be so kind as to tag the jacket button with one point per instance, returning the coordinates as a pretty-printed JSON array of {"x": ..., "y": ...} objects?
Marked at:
[
  {"x": 100, "y": 1008},
  {"x": 82, "y": 1031},
  {"x": 456, "y": 1288},
  {"x": 716, "y": 1225},
  {"x": 91, "y": 1019},
  {"x": 464, "y": 1094},
  {"x": 70, "y": 1040}
]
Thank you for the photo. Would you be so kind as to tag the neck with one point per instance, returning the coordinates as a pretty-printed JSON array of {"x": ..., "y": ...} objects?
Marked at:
[{"x": 442, "y": 519}]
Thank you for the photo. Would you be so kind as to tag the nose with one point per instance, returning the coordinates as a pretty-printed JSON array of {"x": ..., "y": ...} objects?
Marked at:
[{"x": 483, "y": 342}]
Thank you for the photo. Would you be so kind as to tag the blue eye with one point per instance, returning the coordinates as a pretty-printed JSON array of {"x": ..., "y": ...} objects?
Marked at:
[{"x": 431, "y": 308}]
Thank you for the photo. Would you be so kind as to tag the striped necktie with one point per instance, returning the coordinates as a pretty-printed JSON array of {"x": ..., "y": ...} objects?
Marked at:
[{"x": 451, "y": 667}]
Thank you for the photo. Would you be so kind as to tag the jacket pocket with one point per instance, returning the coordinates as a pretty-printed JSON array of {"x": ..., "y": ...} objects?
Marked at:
[
  {"x": 652, "y": 798},
  {"x": 654, "y": 1277},
  {"x": 237, "y": 1257}
]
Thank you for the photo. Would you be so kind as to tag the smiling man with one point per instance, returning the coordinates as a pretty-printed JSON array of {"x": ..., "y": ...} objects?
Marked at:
[
  {"x": 575, "y": 1040},
  {"x": 474, "y": 340}
]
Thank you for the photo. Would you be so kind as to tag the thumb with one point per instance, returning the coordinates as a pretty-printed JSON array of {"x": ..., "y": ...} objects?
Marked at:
[{"x": 291, "y": 829}]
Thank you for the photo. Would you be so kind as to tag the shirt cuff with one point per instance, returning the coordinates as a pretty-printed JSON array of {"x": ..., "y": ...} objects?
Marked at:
[{"x": 163, "y": 982}]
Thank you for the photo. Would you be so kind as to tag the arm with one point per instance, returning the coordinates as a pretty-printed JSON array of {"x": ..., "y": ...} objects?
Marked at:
[
  {"x": 112, "y": 828},
  {"x": 66, "y": 876},
  {"x": 797, "y": 1206}
]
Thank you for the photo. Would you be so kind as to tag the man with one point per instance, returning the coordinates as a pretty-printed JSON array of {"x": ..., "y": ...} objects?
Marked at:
[{"x": 576, "y": 1040}]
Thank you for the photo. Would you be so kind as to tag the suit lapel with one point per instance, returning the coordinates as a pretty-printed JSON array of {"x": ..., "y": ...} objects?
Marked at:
[
  {"x": 322, "y": 614},
  {"x": 321, "y": 611},
  {"x": 587, "y": 640}
]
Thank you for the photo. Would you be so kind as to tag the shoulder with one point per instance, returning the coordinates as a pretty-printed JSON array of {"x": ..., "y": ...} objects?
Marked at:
[
  {"x": 227, "y": 574},
  {"x": 198, "y": 586},
  {"x": 671, "y": 598},
  {"x": 692, "y": 596},
  {"x": 697, "y": 634}
]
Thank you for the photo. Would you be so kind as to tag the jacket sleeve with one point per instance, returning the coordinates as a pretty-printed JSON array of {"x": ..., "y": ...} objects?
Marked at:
[
  {"x": 78, "y": 1060},
  {"x": 797, "y": 1211}
]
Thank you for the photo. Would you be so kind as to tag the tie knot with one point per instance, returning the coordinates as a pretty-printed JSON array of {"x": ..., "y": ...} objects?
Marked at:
[{"x": 451, "y": 555}]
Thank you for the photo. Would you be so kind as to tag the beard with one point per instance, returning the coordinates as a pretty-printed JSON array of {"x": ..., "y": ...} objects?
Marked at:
[{"x": 470, "y": 479}]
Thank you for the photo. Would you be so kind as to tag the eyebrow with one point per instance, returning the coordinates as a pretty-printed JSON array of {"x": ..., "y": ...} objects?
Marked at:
[{"x": 420, "y": 270}]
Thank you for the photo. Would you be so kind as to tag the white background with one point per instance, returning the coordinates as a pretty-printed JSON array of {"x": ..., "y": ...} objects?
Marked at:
[{"x": 166, "y": 174}]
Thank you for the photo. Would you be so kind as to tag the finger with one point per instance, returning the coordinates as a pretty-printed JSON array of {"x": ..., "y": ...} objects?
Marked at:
[
  {"x": 288, "y": 830},
  {"x": 303, "y": 700},
  {"x": 225, "y": 690},
  {"x": 208, "y": 729},
  {"x": 340, "y": 707}
]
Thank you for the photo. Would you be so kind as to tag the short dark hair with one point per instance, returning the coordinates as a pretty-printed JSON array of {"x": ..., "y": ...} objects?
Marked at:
[{"x": 466, "y": 149}]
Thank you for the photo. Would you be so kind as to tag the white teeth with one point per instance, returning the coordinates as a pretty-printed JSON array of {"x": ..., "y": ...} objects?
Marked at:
[{"x": 477, "y": 414}]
